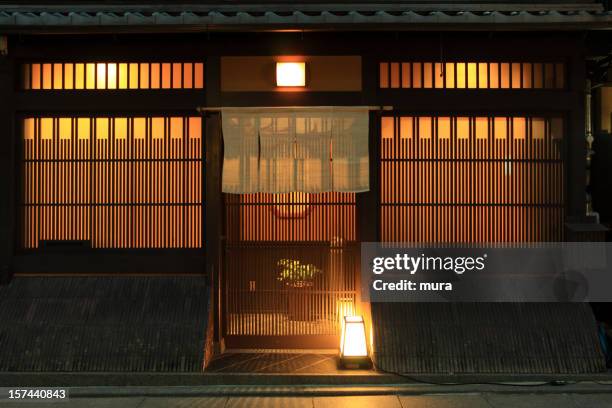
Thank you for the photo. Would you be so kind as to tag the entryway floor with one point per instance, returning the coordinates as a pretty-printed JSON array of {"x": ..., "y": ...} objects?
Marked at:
[{"x": 279, "y": 362}]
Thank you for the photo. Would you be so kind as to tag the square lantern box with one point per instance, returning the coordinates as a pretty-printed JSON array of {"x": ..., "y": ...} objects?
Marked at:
[{"x": 353, "y": 345}]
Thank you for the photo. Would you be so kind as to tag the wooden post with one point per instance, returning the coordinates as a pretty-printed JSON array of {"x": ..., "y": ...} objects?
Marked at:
[
  {"x": 214, "y": 215},
  {"x": 576, "y": 144},
  {"x": 7, "y": 168}
]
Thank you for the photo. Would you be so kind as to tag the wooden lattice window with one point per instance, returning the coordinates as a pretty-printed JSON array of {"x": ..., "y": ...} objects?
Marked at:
[
  {"x": 112, "y": 75},
  {"x": 472, "y": 75},
  {"x": 112, "y": 182},
  {"x": 471, "y": 179}
]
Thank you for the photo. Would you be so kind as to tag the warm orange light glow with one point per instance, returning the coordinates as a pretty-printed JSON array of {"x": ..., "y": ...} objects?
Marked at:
[
  {"x": 90, "y": 76},
  {"x": 68, "y": 76},
  {"x": 290, "y": 74},
  {"x": 158, "y": 128},
  {"x": 84, "y": 126},
  {"x": 121, "y": 128},
  {"x": 353, "y": 339},
  {"x": 79, "y": 76},
  {"x": 29, "y": 127},
  {"x": 112, "y": 76},
  {"x": 291, "y": 205},
  {"x": 102, "y": 128},
  {"x": 486, "y": 161},
  {"x": 444, "y": 128},
  {"x": 387, "y": 127},
  {"x": 463, "y": 128},
  {"x": 406, "y": 127},
  {"x": 176, "y": 128},
  {"x": 101, "y": 76},
  {"x": 46, "y": 128},
  {"x": 65, "y": 128},
  {"x": 425, "y": 127},
  {"x": 344, "y": 307},
  {"x": 140, "y": 128}
]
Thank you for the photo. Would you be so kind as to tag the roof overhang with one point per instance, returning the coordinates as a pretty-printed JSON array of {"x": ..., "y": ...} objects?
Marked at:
[{"x": 307, "y": 16}]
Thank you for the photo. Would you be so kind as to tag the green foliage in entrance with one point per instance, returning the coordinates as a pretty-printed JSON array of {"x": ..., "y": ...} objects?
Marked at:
[{"x": 296, "y": 274}]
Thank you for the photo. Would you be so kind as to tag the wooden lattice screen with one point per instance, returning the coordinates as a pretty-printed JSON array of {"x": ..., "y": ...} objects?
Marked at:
[
  {"x": 471, "y": 179},
  {"x": 112, "y": 182}
]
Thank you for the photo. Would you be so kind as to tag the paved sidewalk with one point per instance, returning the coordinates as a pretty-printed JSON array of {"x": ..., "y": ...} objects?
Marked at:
[
  {"x": 593, "y": 394},
  {"x": 453, "y": 400}
]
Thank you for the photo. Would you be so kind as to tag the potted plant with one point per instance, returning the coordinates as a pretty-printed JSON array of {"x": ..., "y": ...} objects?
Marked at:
[{"x": 299, "y": 278}]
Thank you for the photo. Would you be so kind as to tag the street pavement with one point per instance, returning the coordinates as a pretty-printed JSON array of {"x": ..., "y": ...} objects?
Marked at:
[{"x": 595, "y": 396}]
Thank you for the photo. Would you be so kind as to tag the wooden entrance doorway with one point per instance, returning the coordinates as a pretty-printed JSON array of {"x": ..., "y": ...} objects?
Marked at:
[{"x": 290, "y": 269}]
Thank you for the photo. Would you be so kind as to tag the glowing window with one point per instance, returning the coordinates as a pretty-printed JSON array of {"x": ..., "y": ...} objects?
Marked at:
[
  {"x": 65, "y": 128},
  {"x": 406, "y": 129},
  {"x": 58, "y": 76},
  {"x": 83, "y": 128},
  {"x": 101, "y": 76},
  {"x": 425, "y": 127},
  {"x": 395, "y": 75},
  {"x": 387, "y": 127},
  {"x": 140, "y": 128},
  {"x": 93, "y": 188},
  {"x": 444, "y": 128},
  {"x": 449, "y": 75},
  {"x": 90, "y": 76},
  {"x": 102, "y": 128},
  {"x": 121, "y": 128},
  {"x": 406, "y": 74},
  {"x": 158, "y": 128},
  {"x": 463, "y": 128},
  {"x": 29, "y": 128},
  {"x": 460, "y": 75},
  {"x": 500, "y": 128},
  {"x": 112, "y": 75},
  {"x": 438, "y": 75},
  {"x": 46, "y": 128},
  {"x": 384, "y": 75},
  {"x": 290, "y": 74},
  {"x": 519, "y": 128},
  {"x": 482, "y": 128},
  {"x": 427, "y": 75},
  {"x": 472, "y": 75},
  {"x": 176, "y": 128},
  {"x": 47, "y": 76},
  {"x": 483, "y": 75},
  {"x": 68, "y": 76},
  {"x": 195, "y": 127},
  {"x": 144, "y": 76}
]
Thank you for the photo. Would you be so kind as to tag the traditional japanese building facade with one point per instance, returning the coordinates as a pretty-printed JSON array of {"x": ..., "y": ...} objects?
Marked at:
[{"x": 117, "y": 158}]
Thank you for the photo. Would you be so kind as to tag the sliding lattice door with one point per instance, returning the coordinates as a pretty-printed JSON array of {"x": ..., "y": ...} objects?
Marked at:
[{"x": 290, "y": 268}]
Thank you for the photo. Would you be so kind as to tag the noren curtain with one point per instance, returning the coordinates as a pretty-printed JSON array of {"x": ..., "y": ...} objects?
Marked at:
[{"x": 287, "y": 150}]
